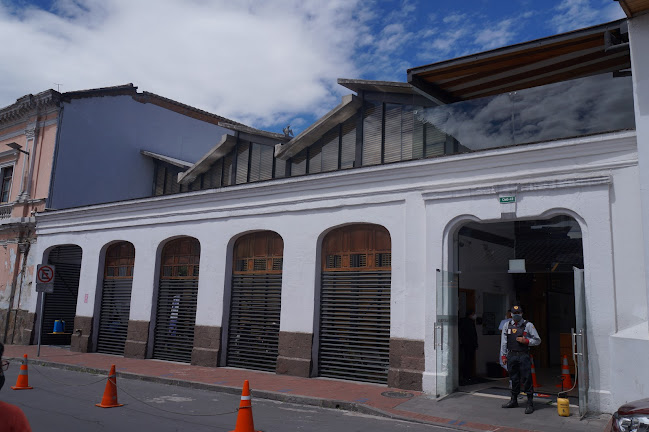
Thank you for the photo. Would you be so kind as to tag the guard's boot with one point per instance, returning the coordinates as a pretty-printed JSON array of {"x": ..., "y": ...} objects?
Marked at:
[
  {"x": 513, "y": 402},
  {"x": 529, "y": 409}
]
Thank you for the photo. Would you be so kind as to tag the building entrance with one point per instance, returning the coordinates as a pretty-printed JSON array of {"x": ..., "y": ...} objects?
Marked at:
[{"x": 535, "y": 263}]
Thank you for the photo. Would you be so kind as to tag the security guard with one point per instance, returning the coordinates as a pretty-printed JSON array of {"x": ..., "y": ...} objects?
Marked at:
[{"x": 516, "y": 339}]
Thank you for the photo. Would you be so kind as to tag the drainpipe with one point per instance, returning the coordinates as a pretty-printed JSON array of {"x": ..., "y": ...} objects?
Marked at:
[
  {"x": 13, "y": 285},
  {"x": 24, "y": 248}
]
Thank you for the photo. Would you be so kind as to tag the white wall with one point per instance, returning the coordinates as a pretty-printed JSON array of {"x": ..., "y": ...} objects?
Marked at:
[
  {"x": 98, "y": 154},
  {"x": 639, "y": 40},
  {"x": 421, "y": 203}
]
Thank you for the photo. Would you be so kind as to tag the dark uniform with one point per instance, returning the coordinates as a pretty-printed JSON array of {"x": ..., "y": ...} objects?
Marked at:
[{"x": 517, "y": 337}]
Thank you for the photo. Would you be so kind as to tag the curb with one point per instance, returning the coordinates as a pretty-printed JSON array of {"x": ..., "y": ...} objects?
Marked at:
[{"x": 262, "y": 394}]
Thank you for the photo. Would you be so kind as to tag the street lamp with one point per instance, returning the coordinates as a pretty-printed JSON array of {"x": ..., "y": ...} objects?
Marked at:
[{"x": 17, "y": 147}]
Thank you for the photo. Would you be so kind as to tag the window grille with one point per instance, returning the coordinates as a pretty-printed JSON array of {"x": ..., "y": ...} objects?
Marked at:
[
  {"x": 358, "y": 260},
  {"x": 160, "y": 179},
  {"x": 372, "y": 134},
  {"x": 383, "y": 260},
  {"x": 393, "y": 133},
  {"x": 315, "y": 158},
  {"x": 171, "y": 180},
  {"x": 280, "y": 168},
  {"x": 348, "y": 143},
  {"x": 334, "y": 261},
  {"x": 212, "y": 178},
  {"x": 298, "y": 163},
  {"x": 243, "y": 153},
  {"x": 227, "y": 168},
  {"x": 266, "y": 162},
  {"x": 330, "y": 150},
  {"x": 407, "y": 131},
  {"x": 435, "y": 141}
]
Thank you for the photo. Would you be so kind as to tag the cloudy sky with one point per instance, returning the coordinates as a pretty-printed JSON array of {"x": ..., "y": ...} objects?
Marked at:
[{"x": 266, "y": 63}]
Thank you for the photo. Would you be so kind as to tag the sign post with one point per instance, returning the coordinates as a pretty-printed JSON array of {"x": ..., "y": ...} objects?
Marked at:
[{"x": 44, "y": 284}]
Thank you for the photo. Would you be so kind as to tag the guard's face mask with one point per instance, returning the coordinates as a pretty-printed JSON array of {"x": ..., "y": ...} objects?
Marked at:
[{"x": 517, "y": 317}]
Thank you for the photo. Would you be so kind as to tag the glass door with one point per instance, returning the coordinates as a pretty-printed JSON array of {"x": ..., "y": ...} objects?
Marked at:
[
  {"x": 445, "y": 334},
  {"x": 579, "y": 346}
]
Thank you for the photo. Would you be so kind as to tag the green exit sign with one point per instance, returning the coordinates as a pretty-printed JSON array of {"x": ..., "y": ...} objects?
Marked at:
[{"x": 507, "y": 199}]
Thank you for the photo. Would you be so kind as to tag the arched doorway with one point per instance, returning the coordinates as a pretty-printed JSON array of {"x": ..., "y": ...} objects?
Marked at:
[
  {"x": 62, "y": 303},
  {"x": 176, "y": 305},
  {"x": 255, "y": 306},
  {"x": 354, "y": 339},
  {"x": 537, "y": 263},
  {"x": 116, "y": 298}
]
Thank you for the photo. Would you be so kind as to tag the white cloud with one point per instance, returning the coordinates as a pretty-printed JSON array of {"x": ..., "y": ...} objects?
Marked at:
[
  {"x": 257, "y": 62},
  {"x": 497, "y": 36},
  {"x": 391, "y": 36},
  {"x": 576, "y": 14},
  {"x": 455, "y": 18},
  {"x": 460, "y": 34}
]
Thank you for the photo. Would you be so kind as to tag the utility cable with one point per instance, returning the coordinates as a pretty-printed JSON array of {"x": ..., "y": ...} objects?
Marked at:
[
  {"x": 175, "y": 412},
  {"x": 136, "y": 398},
  {"x": 65, "y": 384}
]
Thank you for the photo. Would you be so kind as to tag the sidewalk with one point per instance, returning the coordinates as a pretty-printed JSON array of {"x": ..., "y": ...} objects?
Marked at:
[{"x": 461, "y": 411}]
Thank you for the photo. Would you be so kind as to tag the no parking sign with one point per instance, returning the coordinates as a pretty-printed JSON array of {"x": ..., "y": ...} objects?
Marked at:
[{"x": 45, "y": 278}]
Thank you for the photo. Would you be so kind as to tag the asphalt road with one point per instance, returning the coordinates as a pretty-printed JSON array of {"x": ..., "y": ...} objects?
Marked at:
[{"x": 65, "y": 401}]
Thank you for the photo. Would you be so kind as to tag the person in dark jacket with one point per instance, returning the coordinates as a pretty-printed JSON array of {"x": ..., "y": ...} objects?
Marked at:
[
  {"x": 468, "y": 346},
  {"x": 515, "y": 342}
]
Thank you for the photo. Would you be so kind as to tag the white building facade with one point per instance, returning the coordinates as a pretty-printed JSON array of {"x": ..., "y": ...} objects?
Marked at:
[{"x": 594, "y": 179}]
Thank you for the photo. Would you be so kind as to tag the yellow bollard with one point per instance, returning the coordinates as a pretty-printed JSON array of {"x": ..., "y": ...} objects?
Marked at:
[{"x": 563, "y": 405}]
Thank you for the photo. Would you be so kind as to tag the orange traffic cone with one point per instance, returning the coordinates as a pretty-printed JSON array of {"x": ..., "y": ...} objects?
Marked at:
[
  {"x": 244, "y": 418},
  {"x": 535, "y": 383},
  {"x": 110, "y": 392},
  {"x": 22, "y": 383},
  {"x": 565, "y": 375}
]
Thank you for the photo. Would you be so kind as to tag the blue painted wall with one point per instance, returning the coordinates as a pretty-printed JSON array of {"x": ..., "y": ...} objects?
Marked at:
[{"x": 99, "y": 147}]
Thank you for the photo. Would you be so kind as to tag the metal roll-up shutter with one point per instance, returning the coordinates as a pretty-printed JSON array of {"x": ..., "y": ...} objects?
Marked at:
[
  {"x": 253, "y": 329},
  {"x": 116, "y": 298},
  {"x": 355, "y": 325},
  {"x": 176, "y": 306},
  {"x": 62, "y": 303},
  {"x": 254, "y": 321},
  {"x": 354, "y": 334},
  {"x": 115, "y": 309},
  {"x": 175, "y": 319}
]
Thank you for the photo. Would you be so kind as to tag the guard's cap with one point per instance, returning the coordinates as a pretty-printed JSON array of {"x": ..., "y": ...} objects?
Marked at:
[{"x": 516, "y": 309}]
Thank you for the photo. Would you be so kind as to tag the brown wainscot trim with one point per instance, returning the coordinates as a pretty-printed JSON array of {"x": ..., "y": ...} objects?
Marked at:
[
  {"x": 81, "y": 334},
  {"x": 294, "y": 354},
  {"x": 406, "y": 364},
  {"x": 137, "y": 337},
  {"x": 207, "y": 346}
]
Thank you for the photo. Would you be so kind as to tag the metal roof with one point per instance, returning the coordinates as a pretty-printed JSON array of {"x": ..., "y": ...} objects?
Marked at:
[
  {"x": 347, "y": 108},
  {"x": 168, "y": 159},
  {"x": 358, "y": 86},
  {"x": 224, "y": 146},
  {"x": 576, "y": 54}
]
